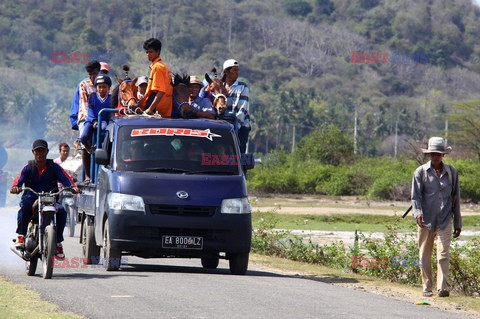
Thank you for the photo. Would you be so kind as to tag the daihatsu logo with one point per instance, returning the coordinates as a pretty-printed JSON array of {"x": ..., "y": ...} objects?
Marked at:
[{"x": 182, "y": 194}]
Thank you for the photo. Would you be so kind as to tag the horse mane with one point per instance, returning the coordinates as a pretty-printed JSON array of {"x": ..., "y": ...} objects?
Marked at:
[
  {"x": 114, "y": 96},
  {"x": 181, "y": 79}
]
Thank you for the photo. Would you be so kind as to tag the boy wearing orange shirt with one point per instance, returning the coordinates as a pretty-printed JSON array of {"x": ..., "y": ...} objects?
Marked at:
[{"x": 158, "y": 97}]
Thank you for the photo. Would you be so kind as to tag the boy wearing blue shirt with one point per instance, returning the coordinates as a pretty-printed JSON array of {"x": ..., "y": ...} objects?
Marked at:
[{"x": 96, "y": 102}]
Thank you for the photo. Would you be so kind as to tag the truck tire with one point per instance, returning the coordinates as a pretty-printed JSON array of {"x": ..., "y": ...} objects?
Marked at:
[
  {"x": 238, "y": 263},
  {"x": 31, "y": 265},
  {"x": 210, "y": 263},
  {"x": 90, "y": 250},
  {"x": 50, "y": 249},
  {"x": 111, "y": 257}
]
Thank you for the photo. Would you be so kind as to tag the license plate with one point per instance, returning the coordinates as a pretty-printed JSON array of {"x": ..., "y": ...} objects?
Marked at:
[{"x": 182, "y": 242}]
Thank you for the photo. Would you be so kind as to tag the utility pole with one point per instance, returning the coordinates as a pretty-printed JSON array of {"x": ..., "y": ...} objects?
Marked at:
[
  {"x": 355, "y": 132},
  {"x": 229, "y": 32},
  {"x": 396, "y": 140},
  {"x": 446, "y": 132},
  {"x": 293, "y": 139}
]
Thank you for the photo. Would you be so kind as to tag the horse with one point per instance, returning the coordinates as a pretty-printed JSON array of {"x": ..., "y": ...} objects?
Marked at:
[
  {"x": 181, "y": 93},
  {"x": 219, "y": 93},
  {"x": 124, "y": 95},
  {"x": 182, "y": 101}
]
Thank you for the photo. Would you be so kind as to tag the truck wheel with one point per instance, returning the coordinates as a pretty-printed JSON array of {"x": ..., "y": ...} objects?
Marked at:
[
  {"x": 50, "y": 248},
  {"x": 90, "y": 250},
  {"x": 210, "y": 263},
  {"x": 31, "y": 265},
  {"x": 111, "y": 257},
  {"x": 238, "y": 263}
]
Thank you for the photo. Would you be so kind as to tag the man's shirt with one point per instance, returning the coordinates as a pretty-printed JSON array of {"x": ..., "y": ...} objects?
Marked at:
[
  {"x": 237, "y": 101},
  {"x": 160, "y": 80},
  {"x": 433, "y": 196},
  {"x": 41, "y": 180},
  {"x": 203, "y": 105},
  {"x": 85, "y": 89}
]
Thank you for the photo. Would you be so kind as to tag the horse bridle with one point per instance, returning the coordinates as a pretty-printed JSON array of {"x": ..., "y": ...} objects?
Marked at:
[
  {"x": 121, "y": 100},
  {"x": 217, "y": 96}
]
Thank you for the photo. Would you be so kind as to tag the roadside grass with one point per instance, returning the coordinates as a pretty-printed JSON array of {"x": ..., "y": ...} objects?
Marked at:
[
  {"x": 347, "y": 222},
  {"x": 348, "y": 278},
  {"x": 19, "y": 302}
]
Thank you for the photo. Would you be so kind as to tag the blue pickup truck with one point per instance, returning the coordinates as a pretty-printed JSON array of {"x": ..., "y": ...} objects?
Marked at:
[{"x": 167, "y": 188}]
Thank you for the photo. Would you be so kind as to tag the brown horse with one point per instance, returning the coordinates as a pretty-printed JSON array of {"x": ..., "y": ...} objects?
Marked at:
[
  {"x": 219, "y": 93},
  {"x": 124, "y": 95}
]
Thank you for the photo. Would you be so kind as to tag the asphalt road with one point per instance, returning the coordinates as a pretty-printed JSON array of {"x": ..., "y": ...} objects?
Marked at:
[{"x": 181, "y": 288}]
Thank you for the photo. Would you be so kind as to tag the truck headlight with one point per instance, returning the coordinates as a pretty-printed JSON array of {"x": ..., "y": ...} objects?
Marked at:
[
  {"x": 236, "y": 206},
  {"x": 126, "y": 202}
]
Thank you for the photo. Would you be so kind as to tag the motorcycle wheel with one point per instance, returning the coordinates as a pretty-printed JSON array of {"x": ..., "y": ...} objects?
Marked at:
[
  {"x": 90, "y": 250},
  {"x": 49, "y": 250},
  {"x": 31, "y": 265}
]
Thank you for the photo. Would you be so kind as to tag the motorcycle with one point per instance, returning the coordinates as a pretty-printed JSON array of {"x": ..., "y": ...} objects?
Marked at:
[{"x": 41, "y": 243}]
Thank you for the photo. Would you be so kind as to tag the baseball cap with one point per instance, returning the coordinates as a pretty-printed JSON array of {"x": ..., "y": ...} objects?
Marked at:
[
  {"x": 229, "y": 63},
  {"x": 195, "y": 80},
  {"x": 39, "y": 144},
  {"x": 141, "y": 80},
  {"x": 104, "y": 67},
  {"x": 103, "y": 78}
]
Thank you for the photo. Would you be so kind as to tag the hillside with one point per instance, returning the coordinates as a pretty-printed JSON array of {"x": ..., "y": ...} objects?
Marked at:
[{"x": 296, "y": 56}]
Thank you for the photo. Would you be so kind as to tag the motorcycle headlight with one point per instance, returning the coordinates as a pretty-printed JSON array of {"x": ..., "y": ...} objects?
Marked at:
[
  {"x": 126, "y": 202},
  {"x": 236, "y": 206}
]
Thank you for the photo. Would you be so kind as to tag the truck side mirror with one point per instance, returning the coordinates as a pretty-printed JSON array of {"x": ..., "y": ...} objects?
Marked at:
[
  {"x": 247, "y": 161},
  {"x": 101, "y": 157}
]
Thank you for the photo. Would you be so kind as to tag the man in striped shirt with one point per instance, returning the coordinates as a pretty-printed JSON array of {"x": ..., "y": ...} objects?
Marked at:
[
  {"x": 237, "y": 100},
  {"x": 80, "y": 103}
]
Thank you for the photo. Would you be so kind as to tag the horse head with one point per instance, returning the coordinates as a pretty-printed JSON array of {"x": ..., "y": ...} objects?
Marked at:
[
  {"x": 124, "y": 96},
  {"x": 219, "y": 92},
  {"x": 181, "y": 94}
]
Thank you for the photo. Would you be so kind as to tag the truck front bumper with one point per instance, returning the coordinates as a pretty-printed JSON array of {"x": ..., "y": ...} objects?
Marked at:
[{"x": 142, "y": 234}]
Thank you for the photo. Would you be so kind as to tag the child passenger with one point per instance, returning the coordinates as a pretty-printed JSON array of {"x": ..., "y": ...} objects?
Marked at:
[
  {"x": 141, "y": 83},
  {"x": 97, "y": 102}
]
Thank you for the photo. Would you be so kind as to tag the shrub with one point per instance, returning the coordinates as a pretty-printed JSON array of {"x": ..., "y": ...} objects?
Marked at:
[
  {"x": 464, "y": 267},
  {"x": 394, "y": 257},
  {"x": 468, "y": 171}
]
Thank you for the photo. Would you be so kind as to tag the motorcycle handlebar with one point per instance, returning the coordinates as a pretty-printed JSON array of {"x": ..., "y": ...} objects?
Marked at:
[{"x": 72, "y": 190}]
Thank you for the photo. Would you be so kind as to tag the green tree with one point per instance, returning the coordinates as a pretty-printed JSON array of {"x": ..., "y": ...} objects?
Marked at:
[
  {"x": 328, "y": 145},
  {"x": 465, "y": 125},
  {"x": 297, "y": 7}
]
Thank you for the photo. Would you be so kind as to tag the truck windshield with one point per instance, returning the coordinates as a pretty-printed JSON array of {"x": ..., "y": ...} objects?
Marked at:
[{"x": 177, "y": 151}]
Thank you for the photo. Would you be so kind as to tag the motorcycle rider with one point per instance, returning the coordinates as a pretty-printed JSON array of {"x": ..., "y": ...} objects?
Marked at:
[{"x": 42, "y": 174}]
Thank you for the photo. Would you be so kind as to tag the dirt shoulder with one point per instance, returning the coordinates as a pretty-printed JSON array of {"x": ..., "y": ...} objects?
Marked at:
[{"x": 324, "y": 205}]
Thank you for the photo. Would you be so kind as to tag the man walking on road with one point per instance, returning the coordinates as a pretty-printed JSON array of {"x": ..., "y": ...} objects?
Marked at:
[{"x": 436, "y": 202}]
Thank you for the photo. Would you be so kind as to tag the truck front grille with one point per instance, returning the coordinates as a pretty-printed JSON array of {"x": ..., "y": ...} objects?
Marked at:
[{"x": 182, "y": 210}]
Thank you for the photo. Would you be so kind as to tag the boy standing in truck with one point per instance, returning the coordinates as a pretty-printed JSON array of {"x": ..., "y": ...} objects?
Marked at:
[{"x": 158, "y": 97}]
